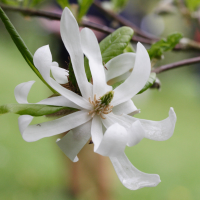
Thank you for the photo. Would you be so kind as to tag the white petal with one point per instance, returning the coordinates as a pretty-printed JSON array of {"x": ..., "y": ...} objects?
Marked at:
[
  {"x": 113, "y": 142},
  {"x": 135, "y": 130},
  {"x": 92, "y": 51},
  {"x": 71, "y": 37},
  {"x": 127, "y": 107},
  {"x": 96, "y": 132},
  {"x": 112, "y": 119},
  {"x": 135, "y": 133},
  {"x": 43, "y": 61},
  {"x": 59, "y": 101},
  {"x": 35, "y": 132},
  {"x": 73, "y": 141},
  {"x": 138, "y": 78},
  {"x": 157, "y": 130},
  {"x": 21, "y": 91},
  {"x": 59, "y": 74},
  {"x": 119, "y": 65},
  {"x": 130, "y": 176}
]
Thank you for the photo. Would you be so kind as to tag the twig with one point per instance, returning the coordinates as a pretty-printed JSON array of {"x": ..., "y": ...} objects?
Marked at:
[
  {"x": 108, "y": 30},
  {"x": 32, "y": 12},
  {"x": 175, "y": 65},
  {"x": 55, "y": 16},
  {"x": 124, "y": 22},
  {"x": 102, "y": 28}
]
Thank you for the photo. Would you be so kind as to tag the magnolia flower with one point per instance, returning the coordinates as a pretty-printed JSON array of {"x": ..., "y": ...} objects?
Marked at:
[{"x": 103, "y": 112}]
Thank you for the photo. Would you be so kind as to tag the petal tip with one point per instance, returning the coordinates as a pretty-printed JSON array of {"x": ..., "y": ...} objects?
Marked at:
[{"x": 172, "y": 114}]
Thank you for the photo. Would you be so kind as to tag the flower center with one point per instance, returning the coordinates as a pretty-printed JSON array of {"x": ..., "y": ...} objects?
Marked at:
[{"x": 102, "y": 105}]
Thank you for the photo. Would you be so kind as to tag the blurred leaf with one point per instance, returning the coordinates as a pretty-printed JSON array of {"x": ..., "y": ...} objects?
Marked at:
[
  {"x": 112, "y": 46},
  {"x": 10, "y": 2},
  {"x": 150, "y": 82},
  {"x": 84, "y": 6},
  {"x": 118, "y": 5},
  {"x": 21, "y": 46},
  {"x": 192, "y": 4},
  {"x": 129, "y": 48},
  {"x": 63, "y": 3},
  {"x": 157, "y": 49},
  {"x": 36, "y": 2},
  {"x": 117, "y": 84},
  {"x": 31, "y": 109}
]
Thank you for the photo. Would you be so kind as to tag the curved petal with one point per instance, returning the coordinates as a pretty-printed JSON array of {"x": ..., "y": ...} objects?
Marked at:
[
  {"x": 157, "y": 130},
  {"x": 59, "y": 74},
  {"x": 59, "y": 101},
  {"x": 135, "y": 130},
  {"x": 112, "y": 119},
  {"x": 135, "y": 133},
  {"x": 35, "y": 132},
  {"x": 130, "y": 176},
  {"x": 43, "y": 61},
  {"x": 71, "y": 38},
  {"x": 119, "y": 65},
  {"x": 96, "y": 131},
  {"x": 21, "y": 91},
  {"x": 138, "y": 78},
  {"x": 91, "y": 49},
  {"x": 74, "y": 140},
  {"x": 127, "y": 107},
  {"x": 113, "y": 142}
]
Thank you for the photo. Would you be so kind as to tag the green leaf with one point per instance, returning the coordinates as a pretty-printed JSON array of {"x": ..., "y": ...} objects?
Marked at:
[
  {"x": 193, "y": 4},
  {"x": 118, "y": 5},
  {"x": 10, "y": 2},
  {"x": 63, "y": 3},
  {"x": 31, "y": 109},
  {"x": 21, "y": 46},
  {"x": 36, "y": 2},
  {"x": 150, "y": 82},
  {"x": 84, "y": 6},
  {"x": 112, "y": 46},
  {"x": 163, "y": 45},
  {"x": 129, "y": 48}
]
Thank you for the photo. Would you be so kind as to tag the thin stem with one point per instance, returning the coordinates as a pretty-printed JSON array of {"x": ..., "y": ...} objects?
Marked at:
[
  {"x": 124, "y": 22},
  {"x": 175, "y": 65},
  {"x": 102, "y": 28},
  {"x": 55, "y": 16}
]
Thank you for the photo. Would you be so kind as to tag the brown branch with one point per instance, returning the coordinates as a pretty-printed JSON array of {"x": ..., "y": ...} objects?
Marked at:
[
  {"x": 108, "y": 30},
  {"x": 124, "y": 22},
  {"x": 54, "y": 16},
  {"x": 175, "y": 65},
  {"x": 32, "y": 12},
  {"x": 102, "y": 28}
]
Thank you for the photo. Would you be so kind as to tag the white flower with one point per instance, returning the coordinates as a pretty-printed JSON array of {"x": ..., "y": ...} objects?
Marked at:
[{"x": 110, "y": 126}]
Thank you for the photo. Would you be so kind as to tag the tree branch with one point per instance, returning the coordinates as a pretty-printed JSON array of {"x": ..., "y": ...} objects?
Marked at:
[
  {"x": 124, "y": 22},
  {"x": 190, "y": 44},
  {"x": 175, "y": 65},
  {"x": 55, "y": 16}
]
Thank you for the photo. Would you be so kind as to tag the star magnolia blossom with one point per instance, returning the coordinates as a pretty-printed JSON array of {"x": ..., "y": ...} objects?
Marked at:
[{"x": 109, "y": 125}]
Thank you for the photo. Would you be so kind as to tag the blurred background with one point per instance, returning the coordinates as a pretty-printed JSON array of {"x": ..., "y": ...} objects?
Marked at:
[{"x": 39, "y": 170}]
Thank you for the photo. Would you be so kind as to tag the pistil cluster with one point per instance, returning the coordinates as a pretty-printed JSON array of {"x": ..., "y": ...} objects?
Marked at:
[{"x": 102, "y": 105}]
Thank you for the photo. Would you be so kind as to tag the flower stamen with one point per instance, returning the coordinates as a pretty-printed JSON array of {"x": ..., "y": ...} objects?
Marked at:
[{"x": 102, "y": 105}]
